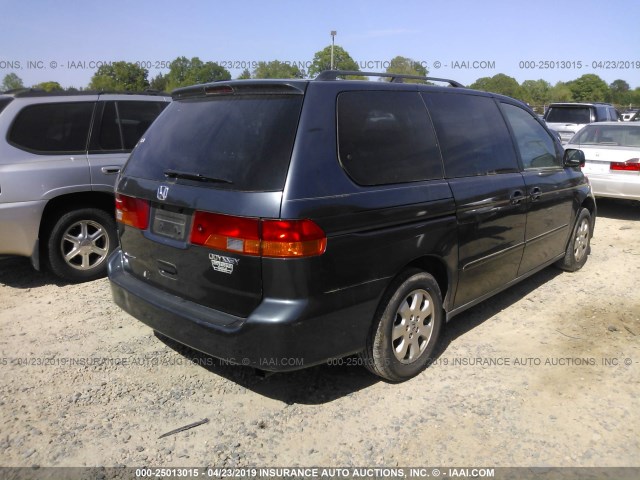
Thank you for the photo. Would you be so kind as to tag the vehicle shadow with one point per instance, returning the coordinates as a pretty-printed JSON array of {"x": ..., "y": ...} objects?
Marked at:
[
  {"x": 617, "y": 209},
  {"x": 17, "y": 272},
  {"x": 477, "y": 315},
  {"x": 325, "y": 383}
]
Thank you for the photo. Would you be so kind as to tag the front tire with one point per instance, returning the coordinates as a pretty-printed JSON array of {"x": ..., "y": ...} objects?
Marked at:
[
  {"x": 406, "y": 328},
  {"x": 579, "y": 246},
  {"x": 80, "y": 243}
]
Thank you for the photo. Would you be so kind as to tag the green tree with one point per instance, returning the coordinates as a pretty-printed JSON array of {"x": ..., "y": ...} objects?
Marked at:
[
  {"x": 500, "y": 83},
  {"x": 245, "y": 75},
  {"x": 483, "y": 83},
  {"x": 120, "y": 76},
  {"x": 634, "y": 97},
  {"x": 341, "y": 61},
  {"x": 184, "y": 72},
  {"x": 536, "y": 92},
  {"x": 49, "y": 86},
  {"x": 589, "y": 88},
  {"x": 619, "y": 92},
  {"x": 276, "y": 69},
  {"x": 159, "y": 82},
  {"x": 11, "y": 81},
  {"x": 561, "y": 92},
  {"x": 406, "y": 66}
]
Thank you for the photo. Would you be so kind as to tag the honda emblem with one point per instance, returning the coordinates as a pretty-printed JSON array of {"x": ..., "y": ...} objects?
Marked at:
[{"x": 163, "y": 191}]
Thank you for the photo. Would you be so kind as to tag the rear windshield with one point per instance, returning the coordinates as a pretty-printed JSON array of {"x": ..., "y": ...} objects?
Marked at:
[
  {"x": 569, "y": 115},
  {"x": 244, "y": 141},
  {"x": 609, "y": 135}
]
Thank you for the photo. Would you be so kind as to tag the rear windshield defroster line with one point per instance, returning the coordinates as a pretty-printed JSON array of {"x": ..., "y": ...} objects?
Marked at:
[{"x": 242, "y": 141}]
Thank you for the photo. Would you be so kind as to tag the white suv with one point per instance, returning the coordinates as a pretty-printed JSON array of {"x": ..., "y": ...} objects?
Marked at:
[{"x": 568, "y": 118}]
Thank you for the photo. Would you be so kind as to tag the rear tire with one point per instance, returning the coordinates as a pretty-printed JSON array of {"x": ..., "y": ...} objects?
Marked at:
[
  {"x": 406, "y": 327},
  {"x": 80, "y": 243},
  {"x": 579, "y": 245}
]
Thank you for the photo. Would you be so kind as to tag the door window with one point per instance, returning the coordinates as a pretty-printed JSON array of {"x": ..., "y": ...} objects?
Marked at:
[{"x": 537, "y": 148}]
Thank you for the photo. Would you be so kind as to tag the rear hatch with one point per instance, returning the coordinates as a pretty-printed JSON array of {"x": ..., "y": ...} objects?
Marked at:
[
  {"x": 567, "y": 120},
  {"x": 192, "y": 199}
]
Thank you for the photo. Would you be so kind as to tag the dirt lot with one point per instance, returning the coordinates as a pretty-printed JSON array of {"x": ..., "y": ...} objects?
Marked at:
[{"x": 544, "y": 374}]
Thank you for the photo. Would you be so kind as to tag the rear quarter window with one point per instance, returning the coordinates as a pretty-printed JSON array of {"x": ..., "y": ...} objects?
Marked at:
[
  {"x": 247, "y": 140},
  {"x": 386, "y": 137},
  {"x": 4, "y": 102},
  {"x": 52, "y": 127}
]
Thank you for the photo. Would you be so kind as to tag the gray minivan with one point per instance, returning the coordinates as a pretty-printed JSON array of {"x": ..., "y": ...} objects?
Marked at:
[{"x": 281, "y": 223}]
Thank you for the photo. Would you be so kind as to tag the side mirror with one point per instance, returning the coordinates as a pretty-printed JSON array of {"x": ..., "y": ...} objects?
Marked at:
[{"x": 573, "y": 158}]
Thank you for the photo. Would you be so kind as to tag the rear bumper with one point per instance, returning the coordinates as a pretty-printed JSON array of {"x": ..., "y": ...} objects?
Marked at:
[
  {"x": 279, "y": 335},
  {"x": 622, "y": 186}
]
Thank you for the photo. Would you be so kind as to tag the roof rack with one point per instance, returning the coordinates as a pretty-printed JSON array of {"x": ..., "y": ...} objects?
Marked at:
[
  {"x": 395, "y": 77},
  {"x": 36, "y": 92}
]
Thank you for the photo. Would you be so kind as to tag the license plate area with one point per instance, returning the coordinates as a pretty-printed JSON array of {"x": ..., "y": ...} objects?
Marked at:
[{"x": 170, "y": 224}]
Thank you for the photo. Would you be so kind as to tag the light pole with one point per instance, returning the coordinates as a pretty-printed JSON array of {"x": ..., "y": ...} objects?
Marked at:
[{"x": 333, "y": 41}]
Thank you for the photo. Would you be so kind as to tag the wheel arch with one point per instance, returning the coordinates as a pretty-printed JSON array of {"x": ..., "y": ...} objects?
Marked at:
[
  {"x": 436, "y": 267},
  {"x": 590, "y": 204},
  {"x": 62, "y": 204}
]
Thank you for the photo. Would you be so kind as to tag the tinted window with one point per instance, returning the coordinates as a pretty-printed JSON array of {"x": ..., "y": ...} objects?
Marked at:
[
  {"x": 53, "y": 127},
  {"x": 609, "y": 135},
  {"x": 244, "y": 139},
  {"x": 4, "y": 102},
  {"x": 109, "y": 134},
  {"x": 386, "y": 137},
  {"x": 136, "y": 118},
  {"x": 473, "y": 136},
  {"x": 569, "y": 115},
  {"x": 123, "y": 123},
  {"x": 537, "y": 148},
  {"x": 613, "y": 115}
]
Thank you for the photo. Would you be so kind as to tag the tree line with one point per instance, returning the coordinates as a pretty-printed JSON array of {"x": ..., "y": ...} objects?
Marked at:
[{"x": 129, "y": 77}]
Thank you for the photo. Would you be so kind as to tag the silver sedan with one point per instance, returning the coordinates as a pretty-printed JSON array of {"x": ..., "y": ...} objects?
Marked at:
[{"x": 612, "y": 153}]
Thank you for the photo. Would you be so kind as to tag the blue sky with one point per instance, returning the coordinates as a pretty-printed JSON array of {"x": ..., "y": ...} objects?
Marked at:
[{"x": 63, "y": 40}]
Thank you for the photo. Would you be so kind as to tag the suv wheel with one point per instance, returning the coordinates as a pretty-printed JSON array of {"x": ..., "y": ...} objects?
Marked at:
[
  {"x": 79, "y": 244},
  {"x": 406, "y": 329},
  {"x": 578, "y": 249}
]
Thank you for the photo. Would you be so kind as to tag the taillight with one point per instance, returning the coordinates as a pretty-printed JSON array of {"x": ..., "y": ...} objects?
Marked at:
[
  {"x": 632, "y": 165},
  {"x": 292, "y": 238},
  {"x": 251, "y": 236},
  {"x": 222, "y": 232},
  {"x": 132, "y": 211}
]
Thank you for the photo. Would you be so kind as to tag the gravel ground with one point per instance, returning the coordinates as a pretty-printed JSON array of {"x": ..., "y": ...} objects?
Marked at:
[{"x": 546, "y": 373}]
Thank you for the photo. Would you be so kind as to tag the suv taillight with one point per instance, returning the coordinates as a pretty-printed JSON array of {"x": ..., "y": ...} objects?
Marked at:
[
  {"x": 632, "y": 165},
  {"x": 132, "y": 211},
  {"x": 252, "y": 236}
]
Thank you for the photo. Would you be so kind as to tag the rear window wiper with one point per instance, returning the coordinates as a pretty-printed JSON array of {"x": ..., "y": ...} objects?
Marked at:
[{"x": 194, "y": 176}]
